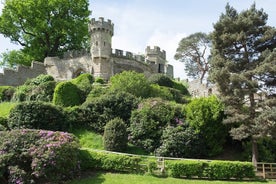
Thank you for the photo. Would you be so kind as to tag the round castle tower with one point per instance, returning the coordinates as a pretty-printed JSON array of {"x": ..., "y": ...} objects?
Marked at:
[{"x": 101, "y": 33}]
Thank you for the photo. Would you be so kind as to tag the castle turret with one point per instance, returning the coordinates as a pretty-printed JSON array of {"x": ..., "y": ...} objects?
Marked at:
[{"x": 101, "y": 33}]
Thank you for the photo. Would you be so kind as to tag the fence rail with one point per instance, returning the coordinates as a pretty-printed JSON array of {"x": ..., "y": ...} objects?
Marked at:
[{"x": 266, "y": 170}]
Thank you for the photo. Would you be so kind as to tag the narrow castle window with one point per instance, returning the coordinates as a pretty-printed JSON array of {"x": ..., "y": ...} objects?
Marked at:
[
  {"x": 104, "y": 43},
  {"x": 96, "y": 43}
]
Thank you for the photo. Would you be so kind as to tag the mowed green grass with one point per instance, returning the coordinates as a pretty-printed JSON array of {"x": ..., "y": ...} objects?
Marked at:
[
  {"x": 112, "y": 178},
  {"x": 5, "y": 108},
  {"x": 89, "y": 139}
]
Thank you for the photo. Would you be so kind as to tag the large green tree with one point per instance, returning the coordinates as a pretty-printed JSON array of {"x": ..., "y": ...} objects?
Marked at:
[
  {"x": 193, "y": 51},
  {"x": 243, "y": 66},
  {"x": 45, "y": 28}
]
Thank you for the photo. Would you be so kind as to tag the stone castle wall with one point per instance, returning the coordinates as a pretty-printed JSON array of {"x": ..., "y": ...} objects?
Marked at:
[{"x": 17, "y": 77}]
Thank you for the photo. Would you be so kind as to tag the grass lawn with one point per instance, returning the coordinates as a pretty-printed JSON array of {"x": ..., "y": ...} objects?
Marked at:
[
  {"x": 112, "y": 178},
  {"x": 89, "y": 139},
  {"x": 5, "y": 108}
]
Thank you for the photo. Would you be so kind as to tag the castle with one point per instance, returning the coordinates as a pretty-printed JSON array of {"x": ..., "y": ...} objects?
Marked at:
[{"x": 101, "y": 61}]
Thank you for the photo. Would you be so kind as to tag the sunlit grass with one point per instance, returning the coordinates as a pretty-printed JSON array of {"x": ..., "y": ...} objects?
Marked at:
[
  {"x": 112, "y": 178},
  {"x": 89, "y": 139},
  {"x": 5, "y": 108}
]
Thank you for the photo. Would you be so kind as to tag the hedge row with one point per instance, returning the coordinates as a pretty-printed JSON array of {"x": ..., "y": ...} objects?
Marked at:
[
  {"x": 211, "y": 170},
  {"x": 110, "y": 162},
  {"x": 178, "y": 169}
]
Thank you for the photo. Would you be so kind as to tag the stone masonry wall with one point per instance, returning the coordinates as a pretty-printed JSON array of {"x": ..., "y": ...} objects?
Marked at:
[{"x": 17, "y": 77}]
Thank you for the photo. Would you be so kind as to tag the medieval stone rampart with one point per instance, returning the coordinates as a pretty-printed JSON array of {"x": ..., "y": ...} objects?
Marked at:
[{"x": 16, "y": 77}]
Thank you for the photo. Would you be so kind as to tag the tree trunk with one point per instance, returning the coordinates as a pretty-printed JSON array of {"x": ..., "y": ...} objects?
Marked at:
[{"x": 254, "y": 152}]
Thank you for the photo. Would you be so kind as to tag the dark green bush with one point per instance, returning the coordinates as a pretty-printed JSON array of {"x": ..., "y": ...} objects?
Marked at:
[
  {"x": 110, "y": 162},
  {"x": 99, "y": 80},
  {"x": 96, "y": 91},
  {"x": 40, "y": 80},
  {"x": 38, "y": 156},
  {"x": 84, "y": 83},
  {"x": 67, "y": 94},
  {"x": 181, "y": 87},
  {"x": 40, "y": 88},
  {"x": 6, "y": 93},
  {"x": 181, "y": 142},
  {"x": 37, "y": 115},
  {"x": 99, "y": 111},
  {"x": 3, "y": 123},
  {"x": 149, "y": 121},
  {"x": 161, "y": 80},
  {"x": 115, "y": 135}
]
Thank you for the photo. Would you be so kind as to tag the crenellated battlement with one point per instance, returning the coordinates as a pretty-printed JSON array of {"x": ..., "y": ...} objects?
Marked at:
[
  {"x": 101, "y": 25},
  {"x": 128, "y": 55},
  {"x": 156, "y": 51},
  {"x": 75, "y": 53}
]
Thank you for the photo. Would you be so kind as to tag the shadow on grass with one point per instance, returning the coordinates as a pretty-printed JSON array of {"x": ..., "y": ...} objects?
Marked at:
[{"x": 89, "y": 178}]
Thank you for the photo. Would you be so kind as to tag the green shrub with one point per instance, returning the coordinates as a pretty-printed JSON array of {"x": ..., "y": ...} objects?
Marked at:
[
  {"x": 37, "y": 115},
  {"x": 181, "y": 87},
  {"x": 3, "y": 123},
  {"x": 205, "y": 115},
  {"x": 115, "y": 135},
  {"x": 67, "y": 94},
  {"x": 40, "y": 80},
  {"x": 149, "y": 121},
  {"x": 160, "y": 92},
  {"x": 6, "y": 93},
  {"x": 131, "y": 82},
  {"x": 84, "y": 83},
  {"x": 181, "y": 142},
  {"x": 38, "y": 156},
  {"x": 187, "y": 168},
  {"x": 161, "y": 80},
  {"x": 211, "y": 170},
  {"x": 99, "y": 111},
  {"x": 227, "y": 170},
  {"x": 110, "y": 162},
  {"x": 40, "y": 88},
  {"x": 99, "y": 80},
  {"x": 96, "y": 91}
]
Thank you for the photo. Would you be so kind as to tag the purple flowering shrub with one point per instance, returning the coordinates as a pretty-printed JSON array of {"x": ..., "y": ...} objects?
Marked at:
[{"x": 38, "y": 156}]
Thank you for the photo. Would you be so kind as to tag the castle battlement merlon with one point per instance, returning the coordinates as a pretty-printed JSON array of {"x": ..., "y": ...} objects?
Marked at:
[
  {"x": 155, "y": 51},
  {"x": 128, "y": 55},
  {"x": 101, "y": 25}
]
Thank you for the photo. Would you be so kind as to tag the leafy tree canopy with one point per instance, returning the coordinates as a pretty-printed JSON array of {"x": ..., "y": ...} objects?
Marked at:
[
  {"x": 11, "y": 58},
  {"x": 45, "y": 28},
  {"x": 193, "y": 50},
  {"x": 243, "y": 65}
]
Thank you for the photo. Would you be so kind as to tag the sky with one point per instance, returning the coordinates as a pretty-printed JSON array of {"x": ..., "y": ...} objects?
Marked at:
[{"x": 163, "y": 23}]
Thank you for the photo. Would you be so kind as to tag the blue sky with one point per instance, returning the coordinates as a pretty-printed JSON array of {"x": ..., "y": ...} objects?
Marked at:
[{"x": 139, "y": 23}]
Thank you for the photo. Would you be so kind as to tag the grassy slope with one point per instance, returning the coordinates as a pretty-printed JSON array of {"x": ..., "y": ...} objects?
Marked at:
[
  {"x": 5, "y": 108},
  {"x": 92, "y": 140},
  {"x": 111, "y": 178}
]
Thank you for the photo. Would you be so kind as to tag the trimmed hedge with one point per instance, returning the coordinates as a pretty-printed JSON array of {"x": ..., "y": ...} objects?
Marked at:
[
  {"x": 214, "y": 170},
  {"x": 211, "y": 170},
  {"x": 110, "y": 162},
  {"x": 67, "y": 94}
]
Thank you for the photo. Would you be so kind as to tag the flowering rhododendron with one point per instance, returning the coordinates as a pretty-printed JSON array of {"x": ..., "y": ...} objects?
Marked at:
[{"x": 34, "y": 156}]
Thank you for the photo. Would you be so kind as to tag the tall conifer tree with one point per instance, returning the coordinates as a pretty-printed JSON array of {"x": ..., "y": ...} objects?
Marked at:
[{"x": 243, "y": 65}]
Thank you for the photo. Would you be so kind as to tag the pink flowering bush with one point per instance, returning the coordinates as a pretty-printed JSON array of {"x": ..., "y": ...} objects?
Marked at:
[{"x": 37, "y": 156}]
